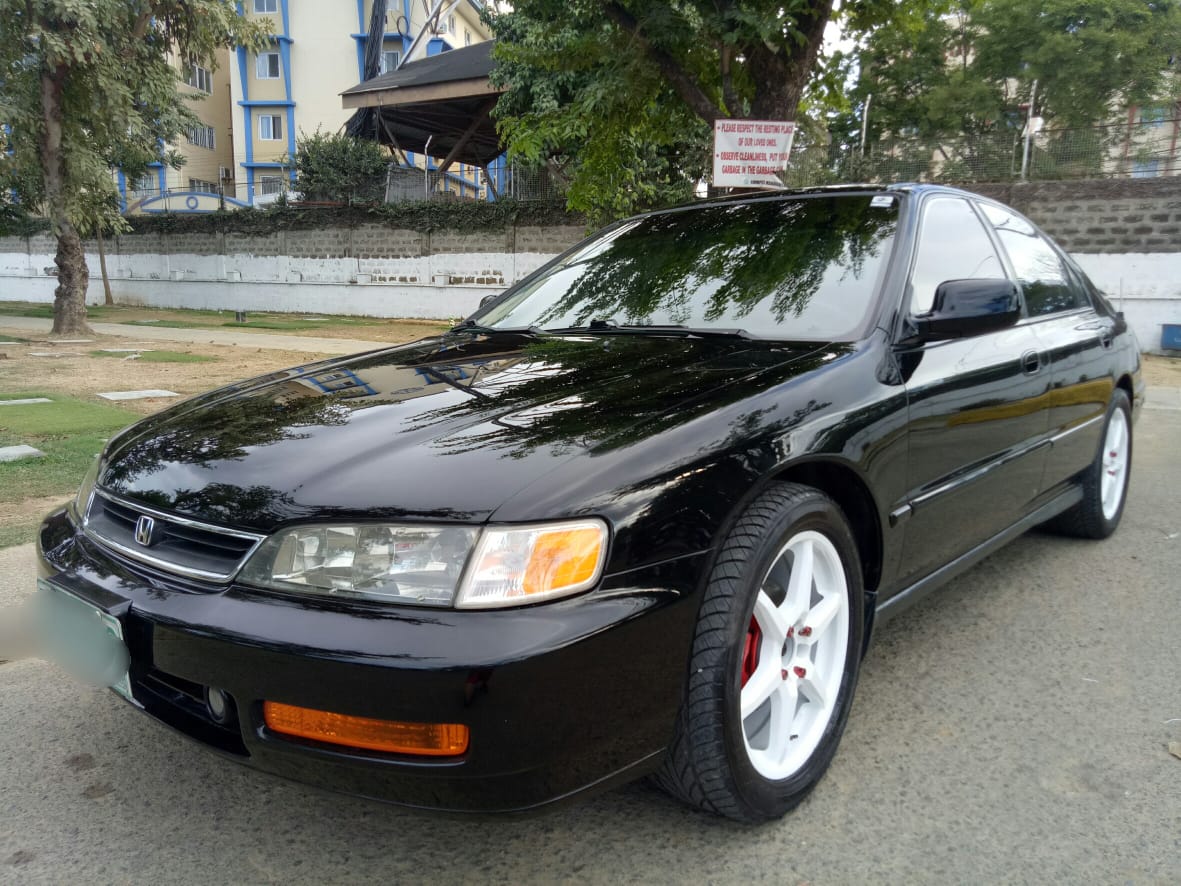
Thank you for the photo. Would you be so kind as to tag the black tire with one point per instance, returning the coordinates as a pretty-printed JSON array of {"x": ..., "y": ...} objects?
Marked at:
[
  {"x": 1087, "y": 518},
  {"x": 708, "y": 765}
]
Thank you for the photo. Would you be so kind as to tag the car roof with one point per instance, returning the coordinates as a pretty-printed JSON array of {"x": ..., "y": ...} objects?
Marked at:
[{"x": 897, "y": 188}]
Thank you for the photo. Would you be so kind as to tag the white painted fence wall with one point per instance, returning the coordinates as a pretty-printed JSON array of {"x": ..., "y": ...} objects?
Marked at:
[{"x": 1146, "y": 286}]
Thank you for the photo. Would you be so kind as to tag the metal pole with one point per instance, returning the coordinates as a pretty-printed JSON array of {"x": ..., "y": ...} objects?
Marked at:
[
  {"x": 1028, "y": 133},
  {"x": 426, "y": 171},
  {"x": 865, "y": 121}
]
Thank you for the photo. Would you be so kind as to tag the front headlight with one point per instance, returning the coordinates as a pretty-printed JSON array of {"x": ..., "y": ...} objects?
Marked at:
[
  {"x": 407, "y": 564},
  {"x": 432, "y": 565},
  {"x": 82, "y": 499}
]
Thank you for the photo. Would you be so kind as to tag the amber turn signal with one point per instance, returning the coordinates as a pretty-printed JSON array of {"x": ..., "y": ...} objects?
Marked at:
[{"x": 392, "y": 736}]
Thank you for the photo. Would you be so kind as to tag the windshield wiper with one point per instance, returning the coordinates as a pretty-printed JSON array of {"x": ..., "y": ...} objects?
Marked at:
[
  {"x": 673, "y": 329},
  {"x": 471, "y": 326}
]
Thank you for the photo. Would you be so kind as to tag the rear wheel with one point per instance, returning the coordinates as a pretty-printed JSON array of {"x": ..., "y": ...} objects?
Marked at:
[
  {"x": 1105, "y": 482},
  {"x": 774, "y": 661}
]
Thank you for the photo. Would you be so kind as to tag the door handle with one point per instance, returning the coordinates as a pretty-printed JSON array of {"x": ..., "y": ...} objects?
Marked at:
[{"x": 1031, "y": 362}]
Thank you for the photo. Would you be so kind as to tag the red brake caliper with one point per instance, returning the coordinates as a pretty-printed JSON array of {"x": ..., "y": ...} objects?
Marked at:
[{"x": 750, "y": 650}]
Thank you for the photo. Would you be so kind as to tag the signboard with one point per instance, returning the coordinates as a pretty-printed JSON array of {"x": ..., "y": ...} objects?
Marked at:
[{"x": 750, "y": 153}]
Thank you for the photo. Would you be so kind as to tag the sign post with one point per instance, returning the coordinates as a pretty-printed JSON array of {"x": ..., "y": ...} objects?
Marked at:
[{"x": 751, "y": 153}]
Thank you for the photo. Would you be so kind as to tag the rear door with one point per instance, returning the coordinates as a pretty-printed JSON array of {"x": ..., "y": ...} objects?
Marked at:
[
  {"x": 977, "y": 406},
  {"x": 1075, "y": 338}
]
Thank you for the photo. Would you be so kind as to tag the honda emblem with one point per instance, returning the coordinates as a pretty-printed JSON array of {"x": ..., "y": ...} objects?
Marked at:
[{"x": 145, "y": 528}]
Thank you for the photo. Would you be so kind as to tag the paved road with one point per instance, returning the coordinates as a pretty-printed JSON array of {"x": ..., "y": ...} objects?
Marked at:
[
  {"x": 1013, "y": 728},
  {"x": 208, "y": 336}
]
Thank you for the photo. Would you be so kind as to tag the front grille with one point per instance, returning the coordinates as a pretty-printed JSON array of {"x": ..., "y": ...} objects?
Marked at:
[{"x": 177, "y": 544}]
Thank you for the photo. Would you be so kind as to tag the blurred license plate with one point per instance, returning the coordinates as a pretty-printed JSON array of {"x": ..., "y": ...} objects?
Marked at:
[{"x": 83, "y": 639}]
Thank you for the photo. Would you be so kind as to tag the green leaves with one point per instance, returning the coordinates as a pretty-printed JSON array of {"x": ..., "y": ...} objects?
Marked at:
[
  {"x": 339, "y": 168},
  {"x": 964, "y": 67},
  {"x": 622, "y": 94}
]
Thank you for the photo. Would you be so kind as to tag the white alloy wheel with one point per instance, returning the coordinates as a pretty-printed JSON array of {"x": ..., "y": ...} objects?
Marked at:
[
  {"x": 1115, "y": 464},
  {"x": 794, "y": 658}
]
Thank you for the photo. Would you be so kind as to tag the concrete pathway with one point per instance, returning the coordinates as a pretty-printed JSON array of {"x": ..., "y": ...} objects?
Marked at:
[{"x": 208, "y": 336}]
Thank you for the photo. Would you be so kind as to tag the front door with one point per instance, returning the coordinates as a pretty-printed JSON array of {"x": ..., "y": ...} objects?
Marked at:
[{"x": 977, "y": 418}]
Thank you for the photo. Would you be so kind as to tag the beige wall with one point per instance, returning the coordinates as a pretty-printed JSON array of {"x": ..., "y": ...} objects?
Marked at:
[
  {"x": 215, "y": 111},
  {"x": 323, "y": 63}
]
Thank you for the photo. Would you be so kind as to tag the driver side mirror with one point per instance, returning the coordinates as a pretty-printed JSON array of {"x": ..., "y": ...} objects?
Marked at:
[{"x": 969, "y": 307}]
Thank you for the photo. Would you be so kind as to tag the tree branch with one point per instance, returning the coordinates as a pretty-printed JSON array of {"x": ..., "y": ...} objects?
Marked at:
[
  {"x": 684, "y": 85},
  {"x": 138, "y": 31}
]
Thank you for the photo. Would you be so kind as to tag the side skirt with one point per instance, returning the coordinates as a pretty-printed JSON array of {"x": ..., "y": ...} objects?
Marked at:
[{"x": 907, "y": 597}]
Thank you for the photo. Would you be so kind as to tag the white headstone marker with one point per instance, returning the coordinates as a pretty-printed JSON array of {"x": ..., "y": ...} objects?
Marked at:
[
  {"x": 136, "y": 395},
  {"x": 13, "y": 453}
]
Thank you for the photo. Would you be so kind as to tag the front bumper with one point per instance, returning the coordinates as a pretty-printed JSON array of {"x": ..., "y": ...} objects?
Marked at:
[{"x": 559, "y": 698}]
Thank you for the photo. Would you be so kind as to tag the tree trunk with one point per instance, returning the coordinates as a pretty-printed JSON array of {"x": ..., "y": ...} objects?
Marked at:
[
  {"x": 69, "y": 303},
  {"x": 782, "y": 77},
  {"x": 108, "y": 298},
  {"x": 69, "y": 299}
]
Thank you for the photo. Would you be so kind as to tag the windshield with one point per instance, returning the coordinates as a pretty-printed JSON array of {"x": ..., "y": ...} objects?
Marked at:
[{"x": 799, "y": 269}]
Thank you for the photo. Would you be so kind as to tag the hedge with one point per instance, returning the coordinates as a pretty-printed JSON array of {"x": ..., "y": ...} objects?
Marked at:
[{"x": 432, "y": 215}]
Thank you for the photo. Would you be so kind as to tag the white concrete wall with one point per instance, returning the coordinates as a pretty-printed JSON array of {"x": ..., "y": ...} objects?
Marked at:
[
  {"x": 1146, "y": 286},
  {"x": 281, "y": 283}
]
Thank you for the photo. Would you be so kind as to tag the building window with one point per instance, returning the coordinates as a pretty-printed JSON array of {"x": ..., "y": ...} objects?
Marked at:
[
  {"x": 271, "y": 184},
  {"x": 199, "y": 184},
  {"x": 202, "y": 137},
  {"x": 270, "y": 127},
  {"x": 145, "y": 183},
  {"x": 389, "y": 60},
  {"x": 266, "y": 66},
  {"x": 265, "y": 6},
  {"x": 1146, "y": 168},
  {"x": 467, "y": 37},
  {"x": 1154, "y": 116},
  {"x": 199, "y": 78}
]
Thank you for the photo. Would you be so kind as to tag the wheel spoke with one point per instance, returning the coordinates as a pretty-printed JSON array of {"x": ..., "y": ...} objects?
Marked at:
[
  {"x": 783, "y": 715},
  {"x": 763, "y": 683},
  {"x": 811, "y": 689},
  {"x": 772, "y": 619},
  {"x": 820, "y": 617},
  {"x": 799, "y": 586}
]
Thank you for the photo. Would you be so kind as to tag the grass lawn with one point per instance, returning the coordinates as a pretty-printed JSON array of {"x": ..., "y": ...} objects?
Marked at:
[
  {"x": 178, "y": 318},
  {"x": 159, "y": 356},
  {"x": 70, "y": 432}
]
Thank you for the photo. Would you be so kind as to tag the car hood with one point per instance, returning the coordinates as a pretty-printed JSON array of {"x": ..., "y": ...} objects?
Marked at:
[{"x": 442, "y": 429}]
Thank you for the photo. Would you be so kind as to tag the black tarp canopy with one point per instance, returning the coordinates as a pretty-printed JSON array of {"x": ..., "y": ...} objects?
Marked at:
[{"x": 445, "y": 98}]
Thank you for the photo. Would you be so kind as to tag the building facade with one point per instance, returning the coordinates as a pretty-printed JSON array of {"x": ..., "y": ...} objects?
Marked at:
[
  {"x": 208, "y": 150},
  {"x": 316, "y": 52}
]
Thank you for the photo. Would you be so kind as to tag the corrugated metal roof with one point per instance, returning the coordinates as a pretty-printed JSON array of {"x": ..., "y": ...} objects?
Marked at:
[{"x": 467, "y": 63}]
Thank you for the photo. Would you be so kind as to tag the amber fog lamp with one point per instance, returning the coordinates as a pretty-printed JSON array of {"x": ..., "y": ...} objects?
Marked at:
[{"x": 392, "y": 736}]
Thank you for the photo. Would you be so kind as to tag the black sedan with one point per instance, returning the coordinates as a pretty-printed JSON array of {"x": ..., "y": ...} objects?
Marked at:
[{"x": 638, "y": 515}]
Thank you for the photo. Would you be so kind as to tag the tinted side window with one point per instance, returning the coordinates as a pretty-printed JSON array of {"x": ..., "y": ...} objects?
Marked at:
[
  {"x": 1048, "y": 286},
  {"x": 952, "y": 246}
]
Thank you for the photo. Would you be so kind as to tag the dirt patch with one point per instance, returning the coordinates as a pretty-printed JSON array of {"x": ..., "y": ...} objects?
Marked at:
[
  {"x": 1162, "y": 371},
  {"x": 372, "y": 330},
  {"x": 13, "y": 513},
  {"x": 78, "y": 374}
]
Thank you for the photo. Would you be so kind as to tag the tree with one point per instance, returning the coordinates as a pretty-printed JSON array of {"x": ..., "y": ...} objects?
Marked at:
[
  {"x": 337, "y": 167},
  {"x": 621, "y": 95},
  {"x": 88, "y": 84},
  {"x": 965, "y": 66}
]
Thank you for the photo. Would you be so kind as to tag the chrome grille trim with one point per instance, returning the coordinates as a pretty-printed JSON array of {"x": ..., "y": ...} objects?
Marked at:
[{"x": 142, "y": 555}]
